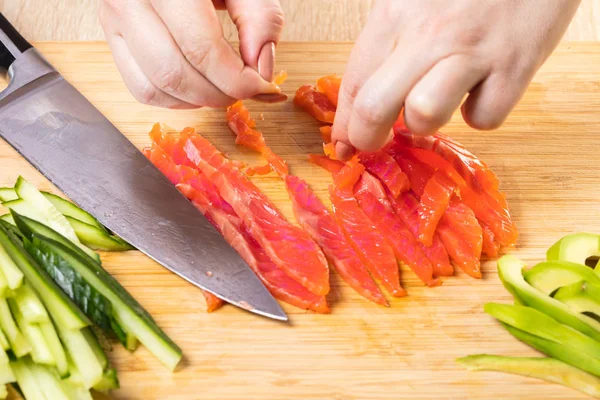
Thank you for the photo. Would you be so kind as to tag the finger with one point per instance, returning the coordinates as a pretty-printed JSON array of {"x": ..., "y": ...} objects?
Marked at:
[
  {"x": 374, "y": 45},
  {"x": 378, "y": 103},
  {"x": 142, "y": 89},
  {"x": 198, "y": 33},
  {"x": 259, "y": 25},
  {"x": 489, "y": 103},
  {"x": 160, "y": 59},
  {"x": 432, "y": 101}
]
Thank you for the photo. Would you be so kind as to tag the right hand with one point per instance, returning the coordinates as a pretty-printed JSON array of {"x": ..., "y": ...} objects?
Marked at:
[{"x": 173, "y": 53}]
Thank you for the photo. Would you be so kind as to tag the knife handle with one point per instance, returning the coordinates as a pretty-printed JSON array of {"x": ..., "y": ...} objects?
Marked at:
[{"x": 12, "y": 44}]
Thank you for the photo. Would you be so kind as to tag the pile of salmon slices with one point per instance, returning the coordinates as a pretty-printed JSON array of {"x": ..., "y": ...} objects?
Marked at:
[{"x": 422, "y": 202}]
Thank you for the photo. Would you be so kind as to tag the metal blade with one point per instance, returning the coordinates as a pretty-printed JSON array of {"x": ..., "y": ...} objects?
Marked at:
[{"x": 65, "y": 137}]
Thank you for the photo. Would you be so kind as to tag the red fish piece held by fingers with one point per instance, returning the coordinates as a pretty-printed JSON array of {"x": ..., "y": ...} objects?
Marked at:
[
  {"x": 315, "y": 103},
  {"x": 316, "y": 220},
  {"x": 287, "y": 245},
  {"x": 406, "y": 208},
  {"x": 462, "y": 236},
  {"x": 385, "y": 167},
  {"x": 326, "y": 133},
  {"x": 280, "y": 285},
  {"x": 434, "y": 203},
  {"x": 330, "y": 86}
]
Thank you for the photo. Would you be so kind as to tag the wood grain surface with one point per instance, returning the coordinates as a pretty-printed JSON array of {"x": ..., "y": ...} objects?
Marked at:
[
  {"x": 546, "y": 157},
  {"x": 306, "y": 20}
]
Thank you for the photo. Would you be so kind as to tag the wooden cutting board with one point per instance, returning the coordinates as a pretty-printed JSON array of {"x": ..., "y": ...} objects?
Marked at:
[{"x": 546, "y": 157}]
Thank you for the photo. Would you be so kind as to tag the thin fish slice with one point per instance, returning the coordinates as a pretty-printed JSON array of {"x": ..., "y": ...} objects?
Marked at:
[
  {"x": 315, "y": 103},
  {"x": 434, "y": 203},
  {"x": 287, "y": 245},
  {"x": 385, "y": 167},
  {"x": 330, "y": 86}
]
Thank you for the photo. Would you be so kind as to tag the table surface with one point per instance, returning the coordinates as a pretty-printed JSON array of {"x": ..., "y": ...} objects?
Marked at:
[{"x": 329, "y": 20}]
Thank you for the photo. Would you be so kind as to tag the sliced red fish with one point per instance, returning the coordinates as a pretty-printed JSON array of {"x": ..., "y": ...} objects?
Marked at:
[
  {"x": 280, "y": 77},
  {"x": 434, "y": 202},
  {"x": 287, "y": 245},
  {"x": 318, "y": 222},
  {"x": 330, "y": 86},
  {"x": 490, "y": 248},
  {"x": 326, "y": 133},
  {"x": 462, "y": 236},
  {"x": 406, "y": 208},
  {"x": 315, "y": 103},
  {"x": 275, "y": 280},
  {"x": 385, "y": 167}
]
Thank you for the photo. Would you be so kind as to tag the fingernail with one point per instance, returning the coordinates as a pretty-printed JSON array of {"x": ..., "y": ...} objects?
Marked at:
[
  {"x": 266, "y": 61},
  {"x": 343, "y": 151}
]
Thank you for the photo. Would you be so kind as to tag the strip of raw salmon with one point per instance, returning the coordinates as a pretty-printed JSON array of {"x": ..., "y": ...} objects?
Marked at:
[
  {"x": 287, "y": 245},
  {"x": 462, "y": 236},
  {"x": 330, "y": 86},
  {"x": 326, "y": 133},
  {"x": 314, "y": 217},
  {"x": 488, "y": 202},
  {"x": 434, "y": 203},
  {"x": 315, "y": 103},
  {"x": 490, "y": 247},
  {"x": 406, "y": 208},
  {"x": 281, "y": 286},
  {"x": 385, "y": 167},
  {"x": 318, "y": 222},
  {"x": 196, "y": 187}
]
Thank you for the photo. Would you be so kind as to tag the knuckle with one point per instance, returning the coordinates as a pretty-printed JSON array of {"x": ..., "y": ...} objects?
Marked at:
[
  {"x": 350, "y": 87},
  {"x": 169, "y": 78},
  {"x": 146, "y": 94},
  {"x": 197, "y": 52},
  {"x": 424, "y": 113},
  {"x": 370, "y": 110},
  {"x": 116, "y": 7}
]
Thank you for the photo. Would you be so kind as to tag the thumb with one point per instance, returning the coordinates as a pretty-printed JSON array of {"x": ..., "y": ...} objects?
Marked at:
[{"x": 259, "y": 25}]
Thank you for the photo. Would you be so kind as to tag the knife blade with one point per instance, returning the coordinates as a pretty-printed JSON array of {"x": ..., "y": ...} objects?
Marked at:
[{"x": 69, "y": 141}]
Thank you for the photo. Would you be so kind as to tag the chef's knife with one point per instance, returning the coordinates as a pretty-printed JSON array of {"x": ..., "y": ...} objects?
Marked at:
[{"x": 69, "y": 141}]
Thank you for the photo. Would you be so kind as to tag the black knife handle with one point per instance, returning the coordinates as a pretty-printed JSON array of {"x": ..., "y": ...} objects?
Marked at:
[{"x": 12, "y": 44}]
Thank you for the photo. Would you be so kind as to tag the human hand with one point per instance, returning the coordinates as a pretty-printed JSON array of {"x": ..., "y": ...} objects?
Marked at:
[
  {"x": 425, "y": 56},
  {"x": 173, "y": 53}
]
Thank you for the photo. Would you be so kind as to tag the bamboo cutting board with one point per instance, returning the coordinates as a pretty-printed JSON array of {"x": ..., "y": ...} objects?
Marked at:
[{"x": 546, "y": 157}]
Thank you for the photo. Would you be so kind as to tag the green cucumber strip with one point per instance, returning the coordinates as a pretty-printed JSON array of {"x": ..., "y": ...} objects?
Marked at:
[
  {"x": 510, "y": 273},
  {"x": 83, "y": 357},
  {"x": 109, "y": 381},
  {"x": 97, "y": 307},
  {"x": 56, "y": 347},
  {"x": 95, "y": 346},
  {"x": 581, "y": 297},
  {"x": 3, "y": 284},
  {"x": 30, "y": 305},
  {"x": 3, "y": 341},
  {"x": 7, "y": 218},
  {"x": 75, "y": 392},
  {"x": 62, "y": 309},
  {"x": 40, "y": 352},
  {"x": 48, "y": 380},
  {"x": 6, "y": 374},
  {"x": 130, "y": 314},
  {"x": 28, "y": 226},
  {"x": 539, "y": 324},
  {"x": 558, "y": 351},
  {"x": 69, "y": 209},
  {"x": 8, "y": 194},
  {"x": 3, "y": 391},
  {"x": 10, "y": 270},
  {"x": 27, "y": 209},
  {"x": 548, "y": 276},
  {"x": 10, "y": 226},
  {"x": 545, "y": 368},
  {"x": 18, "y": 343},
  {"x": 97, "y": 239},
  {"x": 3, "y": 359},
  {"x": 26, "y": 380}
]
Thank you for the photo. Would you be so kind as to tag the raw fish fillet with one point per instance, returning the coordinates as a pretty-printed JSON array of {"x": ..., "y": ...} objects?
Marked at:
[{"x": 315, "y": 103}]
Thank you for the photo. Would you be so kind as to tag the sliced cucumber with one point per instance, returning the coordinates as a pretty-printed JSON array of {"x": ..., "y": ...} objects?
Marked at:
[
  {"x": 109, "y": 381},
  {"x": 8, "y": 193},
  {"x": 48, "y": 380},
  {"x": 6, "y": 373},
  {"x": 76, "y": 392},
  {"x": 56, "y": 347},
  {"x": 3, "y": 284},
  {"x": 95, "y": 346},
  {"x": 34, "y": 205},
  {"x": 131, "y": 315},
  {"x": 30, "y": 305},
  {"x": 69, "y": 209},
  {"x": 3, "y": 341},
  {"x": 84, "y": 359},
  {"x": 27, "y": 381},
  {"x": 62, "y": 309},
  {"x": 18, "y": 343},
  {"x": 10, "y": 226},
  {"x": 40, "y": 352},
  {"x": 96, "y": 238},
  {"x": 10, "y": 270}
]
